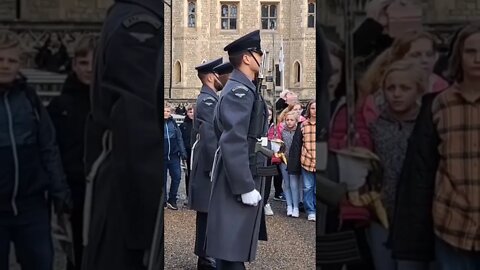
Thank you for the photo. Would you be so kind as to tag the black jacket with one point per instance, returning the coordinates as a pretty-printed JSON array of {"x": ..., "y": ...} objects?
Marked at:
[
  {"x": 294, "y": 165},
  {"x": 370, "y": 41},
  {"x": 30, "y": 160},
  {"x": 280, "y": 105},
  {"x": 69, "y": 113},
  {"x": 412, "y": 232},
  {"x": 186, "y": 128}
]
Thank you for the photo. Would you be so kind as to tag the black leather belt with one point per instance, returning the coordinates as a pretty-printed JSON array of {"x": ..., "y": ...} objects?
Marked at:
[
  {"x": 338, "y": 248},
  {"x": 267, "y": 171}
]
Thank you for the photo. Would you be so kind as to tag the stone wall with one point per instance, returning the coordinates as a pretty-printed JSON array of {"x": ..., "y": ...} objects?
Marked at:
[
  {"x": 64, "y": 10},
  {"x": 206, "y": 41},
  {"x": 453, "y": 11},
  {"x": 8, "y": 10}
]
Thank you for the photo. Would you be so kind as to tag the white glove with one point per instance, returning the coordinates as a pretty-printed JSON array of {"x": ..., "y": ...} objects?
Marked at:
[{"x": 251, "y": 198}]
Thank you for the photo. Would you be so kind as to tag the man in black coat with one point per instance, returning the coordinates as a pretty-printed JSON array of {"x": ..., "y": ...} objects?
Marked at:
[
  {"x": 124, "y": 139},
  {"x": 187, "y": 128},
  {"x": 69, "y": 113}
]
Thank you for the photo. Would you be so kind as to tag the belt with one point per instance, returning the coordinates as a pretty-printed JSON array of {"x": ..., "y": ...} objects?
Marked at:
[
  {"x": 267, "y": 171},
  {"x": 338, "y": 248}
]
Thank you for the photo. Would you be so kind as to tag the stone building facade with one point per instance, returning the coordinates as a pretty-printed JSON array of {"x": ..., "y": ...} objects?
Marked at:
[
  {"x": 54, "y": 10},
  {"x": 442, "y": 17},
  {"x": 198, "y": 35},
  {"x": 33, "y": 20}
]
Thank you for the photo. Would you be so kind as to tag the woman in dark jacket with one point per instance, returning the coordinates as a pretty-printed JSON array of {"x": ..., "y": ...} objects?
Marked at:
[
  {"x": 186, "y": 128},
  {"x": 294, "y": 166},
  {"x": 412, "y": 231},
  {"x": 69, "y": 113}
]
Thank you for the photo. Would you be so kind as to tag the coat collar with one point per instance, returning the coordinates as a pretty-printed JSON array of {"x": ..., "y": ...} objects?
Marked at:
[
  {"x": 208, "y": 91},
  {"x": 239, "y": 77}
]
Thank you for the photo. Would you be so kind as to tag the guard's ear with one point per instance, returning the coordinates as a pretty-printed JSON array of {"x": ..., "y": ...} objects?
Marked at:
[
  {"x": 246, "y": 59},
  {"x": 211, "y": 77}
]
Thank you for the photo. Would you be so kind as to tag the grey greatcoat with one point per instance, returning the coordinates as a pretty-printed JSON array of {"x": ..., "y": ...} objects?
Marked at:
[
  {"x": 203, "y": 150},
  {"x": 233, "y": 227}
]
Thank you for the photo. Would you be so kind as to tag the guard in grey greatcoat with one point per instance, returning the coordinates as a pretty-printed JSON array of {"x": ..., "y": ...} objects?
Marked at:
[
  {"x": 203, "y": 151},
  {"x": 124, "y": 139},
  {"x": 235, "y": 209}
]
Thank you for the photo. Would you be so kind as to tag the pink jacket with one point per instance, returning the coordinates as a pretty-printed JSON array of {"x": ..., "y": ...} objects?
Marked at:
[
  {"x": 278, "y": 129},
  {"x": 438, "y": 83},
  {"x": 365, "y": 116}
]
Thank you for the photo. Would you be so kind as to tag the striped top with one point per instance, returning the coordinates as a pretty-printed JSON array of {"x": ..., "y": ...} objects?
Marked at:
[{"x": 456, "y": 205}]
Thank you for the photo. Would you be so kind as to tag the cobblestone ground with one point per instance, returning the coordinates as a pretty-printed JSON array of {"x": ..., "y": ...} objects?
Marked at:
[{"x": 291, "y": 243}]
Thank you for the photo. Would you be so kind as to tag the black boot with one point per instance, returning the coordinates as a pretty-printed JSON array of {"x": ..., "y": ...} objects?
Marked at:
[{"x": 206, "y": 263}]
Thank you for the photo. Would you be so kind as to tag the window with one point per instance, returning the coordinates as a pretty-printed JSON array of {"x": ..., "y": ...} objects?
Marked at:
[
  {"x": 311, "y": 14},
  {"x": 192, "y": 17},
  {"x": 177, "y": 72},
  {"x": 228, "y": 16},
  {"x": 278, "y": 75},
  {"x": 297, "y": 72},
  {"x": 269, "y": 16}
]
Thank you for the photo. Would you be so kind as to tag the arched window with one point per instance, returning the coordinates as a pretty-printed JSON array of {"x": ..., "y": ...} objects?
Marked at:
[
  {"x": 297, "y": 72},
  {"x": 177, "y": 72},
  {"x": 192, "y": 15}
]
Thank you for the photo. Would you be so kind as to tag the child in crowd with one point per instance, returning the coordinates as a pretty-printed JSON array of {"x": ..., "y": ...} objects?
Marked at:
[
  {"x": 307, "y": 160},
  {"x": 290, "y": 182},
  {"x": 403, "y": 84}
]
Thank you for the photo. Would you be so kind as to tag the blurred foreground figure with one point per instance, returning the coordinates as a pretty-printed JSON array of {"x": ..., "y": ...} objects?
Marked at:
[
  {"x": 124, "y": 146},
  {"x": 30, "y": 167}
]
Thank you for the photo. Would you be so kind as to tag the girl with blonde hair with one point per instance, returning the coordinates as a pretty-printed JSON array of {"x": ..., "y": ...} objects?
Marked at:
[
  {"x": 403, "y": 84},
  {"x": 418, "y": 47}
]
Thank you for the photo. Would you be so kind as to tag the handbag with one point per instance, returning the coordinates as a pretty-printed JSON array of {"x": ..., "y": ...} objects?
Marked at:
[
  {"x": 361, "y": 216},
  {"x": 276, "y": 160}
]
